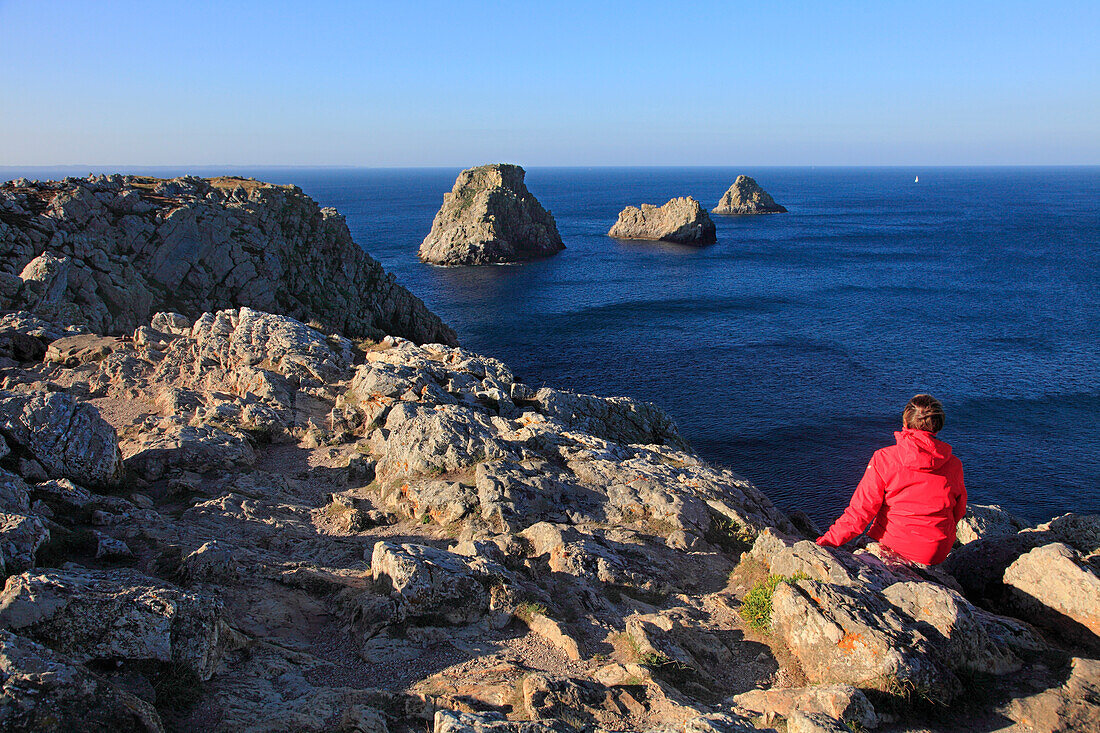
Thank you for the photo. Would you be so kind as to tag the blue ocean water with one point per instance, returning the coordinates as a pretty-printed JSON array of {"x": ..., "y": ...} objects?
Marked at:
[{"x": 787, "y": 350}]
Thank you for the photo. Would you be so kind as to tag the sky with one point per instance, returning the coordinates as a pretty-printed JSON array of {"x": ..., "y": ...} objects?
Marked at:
[{"x": 551, "y": 83}]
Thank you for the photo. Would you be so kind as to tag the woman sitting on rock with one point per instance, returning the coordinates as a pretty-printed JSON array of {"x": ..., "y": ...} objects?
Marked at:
[{"x": 912, "y": 493}]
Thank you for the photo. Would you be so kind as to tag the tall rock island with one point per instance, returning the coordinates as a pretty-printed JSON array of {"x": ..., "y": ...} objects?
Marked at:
[
  {"x": 489, "y": 218},
  {"x": 682, "y": 220},
  {"x": 110, "y": 251},
  {"x": 746, "y": 197}
]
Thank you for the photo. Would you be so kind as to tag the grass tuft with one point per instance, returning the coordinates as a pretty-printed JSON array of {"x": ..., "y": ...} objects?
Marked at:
[{"x": 756, "y": 607}]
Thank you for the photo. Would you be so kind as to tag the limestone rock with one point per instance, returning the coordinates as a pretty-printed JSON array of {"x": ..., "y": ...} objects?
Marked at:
[
  {"x": 1051, "y": 586},
  {"x": 682, "y": 220},
  {"x": 986, "y": 521},
  {"x": 68, "y": 438},
  {"x": 490, "y": 217},
  {"x": 43, "y": 692},
  {"x": 118, "y": 614},
  {"x": 119, "y": 248},
  {"x": 746, "y": 197}
]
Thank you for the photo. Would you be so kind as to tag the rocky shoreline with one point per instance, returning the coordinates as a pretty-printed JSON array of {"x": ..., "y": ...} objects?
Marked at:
[{"x": 225, "y": 518}]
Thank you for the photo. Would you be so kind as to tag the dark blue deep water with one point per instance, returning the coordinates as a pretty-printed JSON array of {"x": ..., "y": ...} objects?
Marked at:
[{"x": 787, "y": 350}]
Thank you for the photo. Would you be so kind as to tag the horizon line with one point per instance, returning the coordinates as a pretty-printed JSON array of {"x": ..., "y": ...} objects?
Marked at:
[{"x": 309, "y": 166}]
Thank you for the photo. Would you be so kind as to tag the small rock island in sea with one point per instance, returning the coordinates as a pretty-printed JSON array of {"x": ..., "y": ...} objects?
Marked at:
[
  {"x": 488, "y": 218},
  {"x": 746, "y": 197},
  {"x": 682, "y": 220}
]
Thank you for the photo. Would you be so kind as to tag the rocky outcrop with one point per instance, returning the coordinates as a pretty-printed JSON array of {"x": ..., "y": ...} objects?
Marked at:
[
  {"x": 488, "y": 218},
  {"x": 237, "y": 520},
  {"x": 67, "y": 438},
  {"x": 109, "y": 251},
  {"x": 746, "y": 197},
  {"x": 681, "y": 220}
]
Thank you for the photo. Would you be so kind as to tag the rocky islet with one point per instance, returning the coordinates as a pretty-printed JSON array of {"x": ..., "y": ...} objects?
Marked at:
[
  {"x": 682, "y": 221},
  {"x": 746, "y": 197},
  {"x": 488, "y": 218},
  {"x": 235, "y": 520}
]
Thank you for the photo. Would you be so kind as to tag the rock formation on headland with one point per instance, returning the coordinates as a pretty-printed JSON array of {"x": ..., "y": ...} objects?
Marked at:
[
  {"x": 238, "y": 522},
  {"x": 746, "y": 197},
  {"x": 109, "y": 251},
  {"x": 490, "y": 217},
  {"x": 681, "y": 220}
]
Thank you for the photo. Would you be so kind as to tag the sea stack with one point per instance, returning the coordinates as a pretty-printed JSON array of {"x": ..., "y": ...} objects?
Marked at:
[
  {"x": 488, "y": 218},
  {"x": 746, "y": 197},
  {"x": 682, "y": 220}
]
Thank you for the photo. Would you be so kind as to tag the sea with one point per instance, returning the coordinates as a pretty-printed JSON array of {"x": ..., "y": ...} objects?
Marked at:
[{"x": 787, "y": 350}]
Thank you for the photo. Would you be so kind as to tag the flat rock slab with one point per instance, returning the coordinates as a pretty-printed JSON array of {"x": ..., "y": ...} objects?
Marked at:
[{"x": 75, "y": 350}]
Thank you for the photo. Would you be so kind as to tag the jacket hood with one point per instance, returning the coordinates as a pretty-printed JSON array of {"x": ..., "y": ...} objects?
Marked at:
[{"x": 920, "y": 450}]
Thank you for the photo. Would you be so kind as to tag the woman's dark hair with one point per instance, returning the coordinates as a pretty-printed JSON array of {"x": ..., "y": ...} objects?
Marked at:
[{"x": 924, "y": 412}]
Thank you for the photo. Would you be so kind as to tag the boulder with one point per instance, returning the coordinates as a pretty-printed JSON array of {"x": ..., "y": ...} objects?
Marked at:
[
  {"x": 68, "y": 438},
  {"x": 20, "y": 538},
  {"x": 117, "y": 614},
  {"x": 1051, "y": 586},
  {"x": 14, "y": 491},
  {"x": 45, "y": 279},
  {"x": 490, "y": 217},
  {"x": 983, "y": 520},
  {"x": 111, "y": 251},
  {"x": 979, "y": 565},
  {"x": 430, "y": 584},
  {"x": 746, "y": 197},
  {"x": 682, "y": 220},
  {"x": 846, "y": 635},
  {"x": 43, "y": 692}
]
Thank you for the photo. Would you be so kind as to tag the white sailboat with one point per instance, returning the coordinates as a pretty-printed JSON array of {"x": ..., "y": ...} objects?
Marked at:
[{"x": 916, "y": 180}]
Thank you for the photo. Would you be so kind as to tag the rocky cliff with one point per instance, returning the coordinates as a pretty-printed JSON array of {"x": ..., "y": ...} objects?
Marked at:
[
  {"x": 109, "y": 251},
  {"x": 746, "y": 197},
  {"x": 239, "y": 522},
  {"x": 682, "y": 220},
  {"x": 490, "y": 217}
]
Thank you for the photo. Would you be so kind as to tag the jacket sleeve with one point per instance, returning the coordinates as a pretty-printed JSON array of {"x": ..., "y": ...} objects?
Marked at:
[
  {"x": 960, "y": 501},
  {"x": 864, "y": 506}
]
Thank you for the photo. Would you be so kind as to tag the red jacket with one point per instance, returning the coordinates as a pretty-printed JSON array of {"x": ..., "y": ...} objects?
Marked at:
[{"x": 914, "y": 493}]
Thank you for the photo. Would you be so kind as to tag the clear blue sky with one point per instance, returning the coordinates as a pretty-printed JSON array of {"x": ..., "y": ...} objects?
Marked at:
[{"x": 549, "y": 83}]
